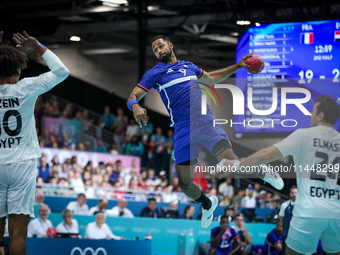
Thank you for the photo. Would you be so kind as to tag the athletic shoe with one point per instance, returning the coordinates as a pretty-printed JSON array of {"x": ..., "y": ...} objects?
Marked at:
[
  {"x": 208, "y": 215},
  {"x": 273, "y": 179}
]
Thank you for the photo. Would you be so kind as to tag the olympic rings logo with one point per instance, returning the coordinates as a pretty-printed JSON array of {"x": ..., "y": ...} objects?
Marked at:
[{"x": 91, "y": 250}]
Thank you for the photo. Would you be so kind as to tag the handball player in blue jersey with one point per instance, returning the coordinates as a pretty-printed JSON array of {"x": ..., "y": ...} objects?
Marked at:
[
  {"x": 224, "y": 240},
  {"x": 177, "y": 82}
]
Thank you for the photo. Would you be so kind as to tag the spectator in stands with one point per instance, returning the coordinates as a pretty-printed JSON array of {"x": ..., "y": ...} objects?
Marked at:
[
  {"x": 224, "y": 240},
  {"x": 112, "y": 149},
  {"x": 87, "y": 146},
  {"x": 107, "y": 119},
  {"x": 127, "y": 170},
  {"x": 243, "y": 233},
  {"x": 87, "y": 176},
  {"x": 101, "y": 207},
  {"x": 164, "y": 179},
  {"x": 145, "y": 133},
  {"x": 257, "y": 189},
  {"x": 100, "y": 230},
  {"x": 150, "y": 211},
  {"x": 175, "y": 183},
  {"x": 155, "y": 181},
  {"x": 132, "y": 129},
  {"x": 273, "y": 242},
  {"x": 249, "y": 201},
  {"x": 78, "y": 207},
  {"x": 157, "y": 142},
  {"x": 169, "y": 196},
  {"x": 39, "y": 198},
  {"x": 77, "y": 183},
  {"x": 65, "y": 142},
  {"x": 44, "y": 170},
  {"x": 227, "y": 190},
  {"x": 118, "y": 127},
  {"x": 174, "y": 205},
  {"x": 134, "y": 147},
  {"x": 286, "y": 215},
  {"x": 261, "y": 199},
  {"x": 240, "y": 193},
  {"x": 168, "y": 147},
  {"x": 45, "y": 137},
  {"x": 78, "y": 116},
  {"x": 131, "y": 175},
  {"x": 69, "y": 111},
  {"x": 100, "y": 147},
  {"x": 188, "y": 212},
  {"x": 64, "y": 171},
  {"x": 97, "y": 178},
  {"x": 38, "y": 227},
  {"x": 120, "y": 209},
  {"x": 81, "y": 147},
  {"x": 68, "y": 225},
  {"x": 55, "y": 109}
]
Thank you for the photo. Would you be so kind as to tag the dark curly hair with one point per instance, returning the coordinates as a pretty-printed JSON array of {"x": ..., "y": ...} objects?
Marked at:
[
  {"x": 329, "y": 107},
  {"x": 11, "y": 61}
]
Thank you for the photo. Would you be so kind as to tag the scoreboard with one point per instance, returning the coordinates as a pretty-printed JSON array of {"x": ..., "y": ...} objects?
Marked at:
[{"x": 297, "y": 55}]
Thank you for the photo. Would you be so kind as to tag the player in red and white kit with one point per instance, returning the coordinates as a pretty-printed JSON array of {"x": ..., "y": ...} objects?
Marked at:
[
  {"x": 316, "y": 214},
  {"x": 18, "y": 137}
]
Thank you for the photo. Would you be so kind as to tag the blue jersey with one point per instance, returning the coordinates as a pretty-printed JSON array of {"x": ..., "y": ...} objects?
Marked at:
[
  {"x": 271, "y": 240},
  {"x": 226, "y": 242},
  {"x": 178, "y": 87}
]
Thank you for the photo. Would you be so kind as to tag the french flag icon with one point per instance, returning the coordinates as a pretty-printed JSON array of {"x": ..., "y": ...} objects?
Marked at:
[{"x": 307, "y": 38}]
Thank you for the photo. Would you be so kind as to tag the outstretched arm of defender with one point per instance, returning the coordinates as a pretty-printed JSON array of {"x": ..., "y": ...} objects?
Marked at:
[
  {"x": 139, "y": 113},
  {"x": 263, "y": 156},
  {"x": 222, "y": 74}
]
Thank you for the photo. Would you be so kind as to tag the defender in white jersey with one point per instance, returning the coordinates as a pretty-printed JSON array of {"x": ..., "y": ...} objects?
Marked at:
[
  {"x": 316, "y": 153},
  {"x": 18, "y": 138}
]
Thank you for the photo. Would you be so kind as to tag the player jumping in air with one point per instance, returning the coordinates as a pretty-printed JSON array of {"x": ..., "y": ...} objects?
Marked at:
[
  {"x": 177, "y": 83},
  {"x": 316, "y": 153},
  {"x": 19, "y": 143}
]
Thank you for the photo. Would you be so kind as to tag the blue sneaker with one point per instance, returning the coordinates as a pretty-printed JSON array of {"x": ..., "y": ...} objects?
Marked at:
[{"x": 208, "y": 215}]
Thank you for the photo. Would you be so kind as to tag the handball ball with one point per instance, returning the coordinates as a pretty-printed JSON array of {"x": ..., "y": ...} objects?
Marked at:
[
  {"x": 51, "y": 232},
  {"x": 256, "y": 64}
]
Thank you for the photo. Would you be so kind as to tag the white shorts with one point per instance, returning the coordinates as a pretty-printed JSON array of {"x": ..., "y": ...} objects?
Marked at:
[
  {"x": 304, "y": 235},
  {"x": 17, "y": 188}
]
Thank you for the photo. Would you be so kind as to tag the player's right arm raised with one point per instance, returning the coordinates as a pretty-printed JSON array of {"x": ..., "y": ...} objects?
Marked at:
[
  {"x": 46, "y": 81},
  {"x": 138, "y": 112}
]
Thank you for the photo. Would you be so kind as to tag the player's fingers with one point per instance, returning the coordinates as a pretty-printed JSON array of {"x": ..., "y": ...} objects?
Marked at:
[
  {"x": 26, "y": 35},
  {"x": 16, "y": 41},
  {"x": 138, "y": 121},
  {"x": 144, "y": 119},
  {"x": 21, "y": 36}
]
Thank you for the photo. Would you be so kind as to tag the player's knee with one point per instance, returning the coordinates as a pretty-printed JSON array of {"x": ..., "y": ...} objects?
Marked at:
[{"x": 185, "y": 184}]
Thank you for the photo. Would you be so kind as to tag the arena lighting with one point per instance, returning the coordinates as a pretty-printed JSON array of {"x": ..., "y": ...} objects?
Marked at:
[
  {"x": 243, "y": 22},
  {"x": 75, "y": 38},
  {"x": 234, "y": 34},
  {"x": 116, "y": 2},
  {"x": 257, "y": 24},
  {"x": 220, "y": 38},
  {"x": 105, "y": 51}
]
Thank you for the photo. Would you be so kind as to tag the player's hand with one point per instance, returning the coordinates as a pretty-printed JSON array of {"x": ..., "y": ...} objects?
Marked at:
[
  {"x": 243, "y": 60},
  {"x": 229, "y": 163},
  {"x": 140, "y": 114},
  {"x": 123, "y": 238},
  {"x": 25, "y": 41},
  {"x": 1, "y": 34},
  {"x": 224, "y": 228}
]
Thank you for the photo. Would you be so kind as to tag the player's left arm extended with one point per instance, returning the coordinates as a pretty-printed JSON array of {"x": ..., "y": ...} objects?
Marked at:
[{"x": 222, "y": 74}]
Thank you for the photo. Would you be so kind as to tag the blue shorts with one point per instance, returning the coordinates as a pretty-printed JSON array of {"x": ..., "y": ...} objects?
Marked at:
[{"x": 189, "y": 136}]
